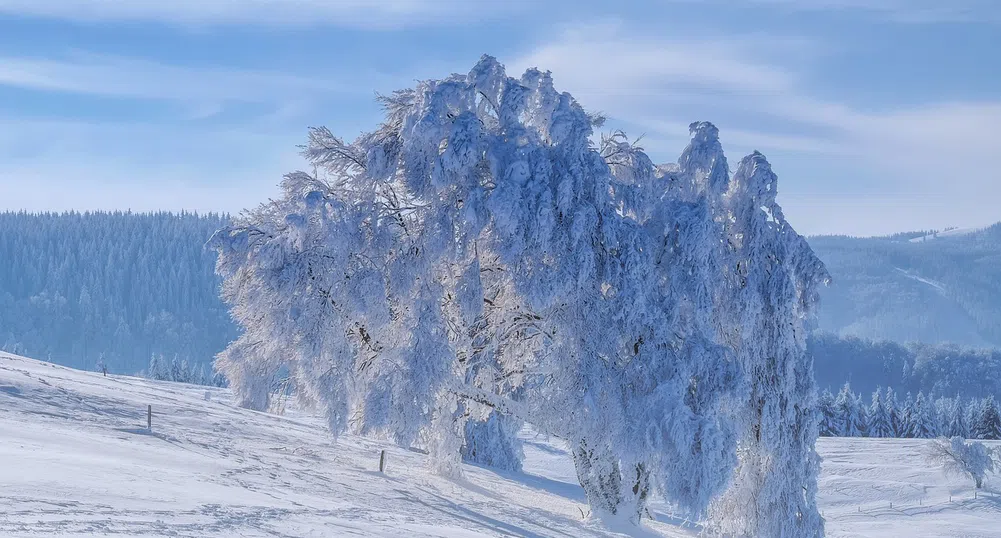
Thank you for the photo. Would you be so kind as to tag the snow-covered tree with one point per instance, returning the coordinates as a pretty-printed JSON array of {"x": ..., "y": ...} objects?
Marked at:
[
  {"x": 956, "y": 424},
  {"x": 830, "y": 424},
  {"x": 985, "y": 419},
  {"x": 971, "y": 459},
  {"x": 776, "y": 277},
  {"x": 880, "y": 423},
  {"x": 493, "y": 442},
  {"x": 906, "y": 425},
  {"x": 893, "y": 409},
  {"x": 158, "y": 369},
  {"x": 850, "y": 413},
  {"x": 633, "y": 298},
  {"x": 180, "y": 371},
  {"x": 922, "y": 419}
]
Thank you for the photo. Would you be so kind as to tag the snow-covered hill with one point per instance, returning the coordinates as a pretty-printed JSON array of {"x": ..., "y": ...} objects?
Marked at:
[
  {"x": 940, "y": 287},
  {"x": 76, "y": 460}
]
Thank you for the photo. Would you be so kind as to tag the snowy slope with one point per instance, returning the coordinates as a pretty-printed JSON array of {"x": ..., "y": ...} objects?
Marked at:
[
  {"x": 75, "y": 460},
  {"x": 952, "y": 232},
  {"x": 887, "y": 488}
]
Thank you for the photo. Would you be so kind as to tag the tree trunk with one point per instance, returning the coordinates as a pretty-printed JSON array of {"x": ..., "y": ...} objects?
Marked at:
[
  {"x": 598, "y": 473},
  {"x": 638, "y": 494}
]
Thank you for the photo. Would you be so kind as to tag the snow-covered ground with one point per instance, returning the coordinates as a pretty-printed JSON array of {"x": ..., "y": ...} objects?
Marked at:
[
  {"x": 76, "y": 460},
  {"x": 952, "y": 232}
]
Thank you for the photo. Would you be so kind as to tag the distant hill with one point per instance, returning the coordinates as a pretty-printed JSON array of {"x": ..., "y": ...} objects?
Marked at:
[
  {"x": 78, "y": 287},
  {"x": 914, "y": 287}
]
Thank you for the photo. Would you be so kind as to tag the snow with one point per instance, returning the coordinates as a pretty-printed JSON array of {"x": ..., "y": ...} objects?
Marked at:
[
  {"x": 952, "y": 232},
  {"x": 862, "y": 477},
  {"x": 937, "y": 285},
  {"x": 78, "y": 461}
]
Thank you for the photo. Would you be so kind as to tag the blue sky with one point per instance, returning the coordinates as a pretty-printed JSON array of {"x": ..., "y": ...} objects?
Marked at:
[{"x": 878, "y": 115}]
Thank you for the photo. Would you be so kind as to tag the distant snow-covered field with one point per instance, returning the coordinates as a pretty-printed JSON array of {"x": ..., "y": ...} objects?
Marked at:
[{"x": 76, "y": 460}]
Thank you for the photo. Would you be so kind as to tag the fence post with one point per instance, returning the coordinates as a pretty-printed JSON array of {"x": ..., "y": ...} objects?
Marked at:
[
  {"x": 382, "y": 461},
  {"x": 149, "y": 417}
]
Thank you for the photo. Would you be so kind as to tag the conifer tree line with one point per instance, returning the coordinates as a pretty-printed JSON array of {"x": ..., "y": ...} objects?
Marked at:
[
  {"x": 181, "y": 371},
  {"x": 112, "y": 287},
  {"x": 887, "y": 414}
]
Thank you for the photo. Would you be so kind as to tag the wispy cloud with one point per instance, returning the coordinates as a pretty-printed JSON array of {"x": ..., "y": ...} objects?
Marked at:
[
  {"x": 901, "y": 11},
  {"x": 604, "y": 62},
  {"x": 663, "y": 84},
  {"x": 913, "y": 154},
  {"x": 358, "y": 13},
  {"x": 125, "y": 77}
]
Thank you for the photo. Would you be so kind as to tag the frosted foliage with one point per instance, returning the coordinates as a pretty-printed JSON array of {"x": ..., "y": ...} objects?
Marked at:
[
  {"x": 477, "y": 262},
  {"x": 493, "y": 442},
  {"x": 776, "y": 277}
]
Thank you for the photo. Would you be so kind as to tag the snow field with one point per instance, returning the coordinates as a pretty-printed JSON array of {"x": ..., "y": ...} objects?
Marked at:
[{"x": 78, "y": 461}]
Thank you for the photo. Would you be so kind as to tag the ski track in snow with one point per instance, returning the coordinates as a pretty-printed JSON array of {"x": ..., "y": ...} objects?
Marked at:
[
  {"x": 937, "y": 285},
  {"x": 78, "y": 461}
]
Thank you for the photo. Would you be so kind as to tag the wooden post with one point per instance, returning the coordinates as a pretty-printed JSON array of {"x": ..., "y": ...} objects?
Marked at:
[
  {"x": 149, "y": 417},
  {"x": 382, "y": 461}
]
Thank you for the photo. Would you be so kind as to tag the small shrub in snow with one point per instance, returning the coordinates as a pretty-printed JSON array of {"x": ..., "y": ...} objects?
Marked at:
[{"x": 971, "y": 459}]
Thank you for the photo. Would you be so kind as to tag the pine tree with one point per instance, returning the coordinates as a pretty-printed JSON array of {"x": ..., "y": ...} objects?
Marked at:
[
  {"x": 988, "y": 423},
  {"x": 158, "y": 368},
  {"x": 894, "y": 411},
  {"x": 830, "y": 425},
  {"x": 956, "y": 424},
  {"x": 975, "y": 418},
  {"x": 907, "y": 418},
  {"x": 850, "y": 417},
  {"x": 922, "y": 419},
  {"x": 880, "y": 423},
  {"x": 863, "y": 416}
]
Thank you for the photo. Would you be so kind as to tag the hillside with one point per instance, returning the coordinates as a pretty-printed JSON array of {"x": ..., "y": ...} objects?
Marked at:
[
  {"x": 920, "y": 287},
  {"x": 86, "y": 466},
  {"x": 78, "y": 288}
]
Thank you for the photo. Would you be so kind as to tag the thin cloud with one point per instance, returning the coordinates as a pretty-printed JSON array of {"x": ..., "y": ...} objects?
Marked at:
[
  {"x": 130, "y": 78},
  {"x": 659, "y": 84},
  {"x": 345, "y": 13},
  {"x": 899, "y": 11}
]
